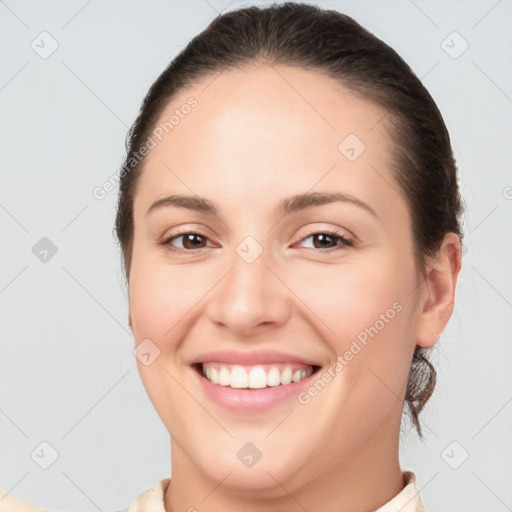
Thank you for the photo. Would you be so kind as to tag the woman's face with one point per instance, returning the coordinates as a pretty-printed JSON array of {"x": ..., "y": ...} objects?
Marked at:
[{"x": 261, "y": 279}]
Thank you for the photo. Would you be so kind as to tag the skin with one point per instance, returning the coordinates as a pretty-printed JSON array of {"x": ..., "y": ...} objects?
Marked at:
[{"x": 259, "y": 135}]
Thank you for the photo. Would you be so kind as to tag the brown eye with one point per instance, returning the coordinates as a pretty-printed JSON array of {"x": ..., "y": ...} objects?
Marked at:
[
  {"x": 190, "y": 242},
  {"x": 328, "y": 240}
]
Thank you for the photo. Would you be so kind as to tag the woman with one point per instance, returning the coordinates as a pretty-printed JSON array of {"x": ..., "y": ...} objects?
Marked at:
[{"x": 289, "y": 223}]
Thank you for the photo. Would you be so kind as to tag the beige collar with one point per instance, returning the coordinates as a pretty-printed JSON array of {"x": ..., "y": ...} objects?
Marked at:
[{"x": 407, "y": 500}]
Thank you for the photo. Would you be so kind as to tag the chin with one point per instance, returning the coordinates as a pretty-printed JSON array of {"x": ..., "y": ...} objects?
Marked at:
[{"x": 232, "y": 465}]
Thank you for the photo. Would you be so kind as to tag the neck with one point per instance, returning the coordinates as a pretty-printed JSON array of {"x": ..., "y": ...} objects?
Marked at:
[{"x": 364, "y": 478}]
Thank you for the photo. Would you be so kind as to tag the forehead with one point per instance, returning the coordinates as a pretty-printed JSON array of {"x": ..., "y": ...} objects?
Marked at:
[
  {"x": 266, "y": 129},
  {"x": 252, "y": 103}
]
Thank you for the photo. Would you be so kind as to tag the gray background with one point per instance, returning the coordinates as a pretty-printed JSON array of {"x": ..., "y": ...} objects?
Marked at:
[{"x": 67, "y": 371}]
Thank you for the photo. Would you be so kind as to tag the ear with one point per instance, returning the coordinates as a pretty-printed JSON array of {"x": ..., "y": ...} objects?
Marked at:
[{"x": 438, "y": 291}]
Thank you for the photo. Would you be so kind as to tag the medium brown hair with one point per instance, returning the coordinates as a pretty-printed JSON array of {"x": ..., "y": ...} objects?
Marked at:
[{"x": 334, "y": 44}]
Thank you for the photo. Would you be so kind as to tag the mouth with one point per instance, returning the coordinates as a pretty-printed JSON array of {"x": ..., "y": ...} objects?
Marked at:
[
  {"x": 255, "y": 389},
  {"x": 254, "y": 377},
  {"x": 252, "y": 381}
]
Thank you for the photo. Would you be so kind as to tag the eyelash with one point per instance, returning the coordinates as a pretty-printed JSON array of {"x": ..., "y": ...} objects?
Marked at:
[{"x": 345, "y": 242}]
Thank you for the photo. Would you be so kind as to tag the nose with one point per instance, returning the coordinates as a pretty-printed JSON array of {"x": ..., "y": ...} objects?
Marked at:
[{"x": 249, "y": 296}]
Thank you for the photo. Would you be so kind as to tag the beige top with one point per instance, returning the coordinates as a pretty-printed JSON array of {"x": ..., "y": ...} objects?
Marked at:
[{"x": 152, "y": 500}]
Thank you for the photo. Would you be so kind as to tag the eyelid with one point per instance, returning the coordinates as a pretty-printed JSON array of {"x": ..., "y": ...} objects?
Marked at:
[
  {"x": 347, "y": 240},
  {"x": 166, "y": 240},
  {"x": 335, "y": 230}
]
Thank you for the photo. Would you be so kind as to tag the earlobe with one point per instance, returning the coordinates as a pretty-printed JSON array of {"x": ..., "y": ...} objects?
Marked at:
[{"x": 438, "y": 291}]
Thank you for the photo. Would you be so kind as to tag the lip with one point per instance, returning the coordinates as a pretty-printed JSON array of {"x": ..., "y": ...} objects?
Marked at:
[
  {"x": 251, "y": 358},
  {"x": 252, "y": 400}
]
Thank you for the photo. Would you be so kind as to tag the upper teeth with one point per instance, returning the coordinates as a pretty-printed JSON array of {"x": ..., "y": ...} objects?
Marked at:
[{"x": 257, "y": 377}]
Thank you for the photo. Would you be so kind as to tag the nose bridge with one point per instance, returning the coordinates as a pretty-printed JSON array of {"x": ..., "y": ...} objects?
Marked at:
[{"x": 250, "y": 294}]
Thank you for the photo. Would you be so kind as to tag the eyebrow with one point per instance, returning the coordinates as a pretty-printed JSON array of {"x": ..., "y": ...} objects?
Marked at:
[{"x": 292, "y": 204}]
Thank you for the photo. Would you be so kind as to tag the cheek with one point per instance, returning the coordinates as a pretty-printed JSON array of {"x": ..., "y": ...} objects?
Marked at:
[
  {"x": 365, "y": 313},
  {"x": 157, "y": 306},
  {"x": 348, "y": 297},
  {"x": 160, "y": 296}
]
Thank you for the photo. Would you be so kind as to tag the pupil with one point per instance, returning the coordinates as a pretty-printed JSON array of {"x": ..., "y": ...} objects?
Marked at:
[
  {"x": 190, "y": 238},
  {"x": 322, "y": 238}
]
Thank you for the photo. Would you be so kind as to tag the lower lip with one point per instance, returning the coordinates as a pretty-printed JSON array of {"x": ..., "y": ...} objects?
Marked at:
[{"x": 251, "y": 400}]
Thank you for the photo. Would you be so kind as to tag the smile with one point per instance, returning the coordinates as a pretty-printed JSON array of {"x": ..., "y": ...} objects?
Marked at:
[
  {"x": 250, "y": 381},
  {"x": 255, "y": 377}
]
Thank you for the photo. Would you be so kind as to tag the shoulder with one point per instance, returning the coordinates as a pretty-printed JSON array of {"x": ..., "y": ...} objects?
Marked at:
[
  {"x": 9, "y": 503},
  {"x": 151, "y": 499},
  {"x": 408, "y": 499}
]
